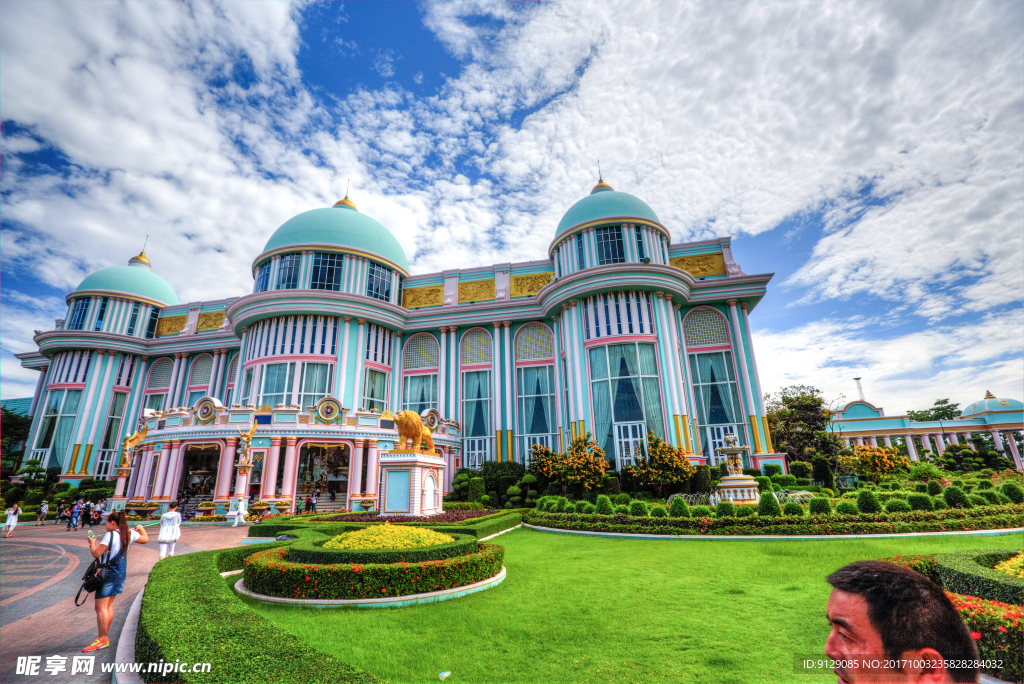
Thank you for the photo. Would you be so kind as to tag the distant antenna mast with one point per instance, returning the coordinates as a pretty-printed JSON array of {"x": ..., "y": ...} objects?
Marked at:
[
  {"x": 599, "y": 175},
  {"x": 860, "y": 390},
  {"x": 347, "y": 184},
  {"x": 146, "y": 242}
]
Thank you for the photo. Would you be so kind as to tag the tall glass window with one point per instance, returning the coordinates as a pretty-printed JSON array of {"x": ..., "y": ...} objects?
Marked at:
[
  {"x": 420, "y": 392},
  {"x": 609, "y": 246},
  {"x": 476, "y": 412},
  {"x": 103, "y": 312},
  {"x": 155, "y": 401},
  {"x": 326, "y": 271},
  {"x": 194, "y": 396},
  {"x": 580, "y": 254},
  {"x": 719, "y": 410},
  {"x": 133, "y": 320},
  {"x": 110, "y": 435},
  {"x": 315, "y": 383},
  {"x": 640, "y": 244},
  {"x": 78, "y": 314},
  {"x": 535, "y": 403},
  {"x": 263, "y": 277},
  {"x": 401, "y": 288},
  {"x": 626, "y": 397},
  {"x": 246, "y": 387},
  {"x": 154, "y": 317},
  {"x": 375, "y": 390},
  {"x": 58, "y": 423},
  {"x": 277, "y": 384},
  {"x": 288, "y": 272},
  {"x": 378, "y": 283}
]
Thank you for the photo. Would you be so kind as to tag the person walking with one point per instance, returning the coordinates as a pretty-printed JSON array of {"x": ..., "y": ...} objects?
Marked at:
[
  {"x": 61, "y": 512},
  {"x": 312, "y": 501},
  {"x": 44, "y": 508},
  {"x": 242, "y": 510},
  {"x": 170, "y": 530},
  {"x": 76, "y": 514},
  {"x": 12, "y": 519},
  {"x": 87, "y": 510},
  {"x": 112, "y": 550}
]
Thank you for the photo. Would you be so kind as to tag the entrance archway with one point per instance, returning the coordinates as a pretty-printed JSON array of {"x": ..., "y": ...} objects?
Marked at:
[
  {"x": 200, "y": 463},
  {"x": 323, "y": 467}
]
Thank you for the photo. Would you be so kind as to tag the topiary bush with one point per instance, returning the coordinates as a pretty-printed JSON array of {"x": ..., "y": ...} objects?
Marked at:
[
  {"x": 1013, "y": 492},
  {"x": 485, "y": 501},
  {"x": 724, "y": 509},
  {"x": 897, "y": 506},
  {"x": 768, "y": 506},
  {"x": 920, "y": 502},
  {"x": 745, "y": 511},
  {"x": 622, "y": 499},
  {"x": 763, "y": 484},
  {"x": 701, "y": 512},
  {"x": 921, "y": 487},
  {"x": 476, "y": 489},
  {"x": 679, "y": 508},
  {"x": 984, "y": 484},
  {"x": 793, "y": 508},
  {"x": 820, "y": 506},
  {"x": 978, "y": 500},
  {"x": 867, "y": 502},
  {"x": 622, "y": 509},
  {"x": 800, "y": 469},
  {"x": 938, "y": 503},
  {"x": 604, "y": 505},
  {"x": 772, "y": 469},
  {"x": 585, "y": 507},
  {"x": 956, "y": 498},
  {"x": 934, "y": 488},
  {"x": 659, "y": 512},
  {"x": 638, "y": 508},
  {"x": 701, "y": 483},
  {"x": 846, "y": 508}
]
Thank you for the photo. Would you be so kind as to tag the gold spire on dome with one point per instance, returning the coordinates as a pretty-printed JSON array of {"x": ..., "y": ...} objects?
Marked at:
[
  {"x": 140, "y": 260},
  {"x": 989, "y": 395},
  {"x": 346, "y": 203},
  {"x": 601, "y": 185}
]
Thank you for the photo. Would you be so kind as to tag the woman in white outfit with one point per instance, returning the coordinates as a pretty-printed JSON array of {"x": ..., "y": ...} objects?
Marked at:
[
  {"x": 170, "y": 530},
  {"x": 12, "y": 519}
]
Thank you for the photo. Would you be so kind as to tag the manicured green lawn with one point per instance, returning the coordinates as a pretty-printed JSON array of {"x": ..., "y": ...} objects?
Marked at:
[{"x": 579, "y": 609}]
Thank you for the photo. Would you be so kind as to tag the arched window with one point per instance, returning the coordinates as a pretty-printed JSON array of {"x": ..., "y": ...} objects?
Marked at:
[
  {"x": 704, "y": 327},
  {"x": 535, "y": 389},
  {"x": 158, "y": 383},
  {"x": 419, "y": 388},
  {"x": 199, "y": 378},
  {"x": 476, "y": 396}
]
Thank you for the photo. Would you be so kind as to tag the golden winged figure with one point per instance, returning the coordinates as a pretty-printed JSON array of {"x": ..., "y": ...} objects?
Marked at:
[
  {"x": 247, "y": 436},
  {"x": 130, "y": 443}
]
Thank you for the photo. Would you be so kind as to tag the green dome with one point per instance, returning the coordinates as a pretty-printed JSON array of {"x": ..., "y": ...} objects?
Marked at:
[
  {"x": 605, "y": 203},
  {"x": 134, "y": 280},
  {"x": 341, "y": 225}
]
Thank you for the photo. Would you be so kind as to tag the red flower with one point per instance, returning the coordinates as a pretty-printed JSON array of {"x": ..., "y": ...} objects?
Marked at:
[
  {"x": 1001, "y": 628},
  {"x": 975, "y": 635},
  {"x": 384, "y": 590}
]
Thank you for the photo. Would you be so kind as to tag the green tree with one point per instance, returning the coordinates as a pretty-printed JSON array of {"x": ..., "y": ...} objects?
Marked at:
[
  {"x": 14, "y": 429},
  {"x": 941, "y": 410},
  {"x": 799, "y": 422},
  {"x": 33, "y": 472}
]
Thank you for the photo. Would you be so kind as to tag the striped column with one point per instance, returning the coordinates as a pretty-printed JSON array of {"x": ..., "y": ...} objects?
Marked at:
[{"x": 751, "y": 411}]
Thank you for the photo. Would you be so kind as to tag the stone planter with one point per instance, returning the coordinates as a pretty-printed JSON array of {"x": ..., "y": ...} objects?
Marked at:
[
  {"x": 258, "y": 509},
  {"x": 144, "y": 511}
]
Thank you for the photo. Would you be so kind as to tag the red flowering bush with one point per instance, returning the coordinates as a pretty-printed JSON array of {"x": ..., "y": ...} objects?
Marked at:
[
  {"x": 271, "y": 573},
  {"x": 997, "y": 628}
]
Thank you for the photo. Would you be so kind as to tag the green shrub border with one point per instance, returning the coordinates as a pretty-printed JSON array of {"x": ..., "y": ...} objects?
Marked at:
[
  {"x": 190, "y": 613},
  {"x": 481, "y": 527},
  {"x": 970, "y": 572},
  {"x": 312, "y": 551},
  {"x": 272, "y": 572}
]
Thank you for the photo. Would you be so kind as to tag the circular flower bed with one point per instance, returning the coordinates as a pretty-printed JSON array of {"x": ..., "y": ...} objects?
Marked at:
[
  {"x": 388, "y": 536},
  {"x": 273, "y": 573}
]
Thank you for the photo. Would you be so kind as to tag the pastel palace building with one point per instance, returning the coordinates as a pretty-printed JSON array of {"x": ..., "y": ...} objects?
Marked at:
[{"x": 618, "y": 332}]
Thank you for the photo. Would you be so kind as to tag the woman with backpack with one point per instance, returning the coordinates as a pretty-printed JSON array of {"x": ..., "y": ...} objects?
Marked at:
[{"x": 112, "y": 550}]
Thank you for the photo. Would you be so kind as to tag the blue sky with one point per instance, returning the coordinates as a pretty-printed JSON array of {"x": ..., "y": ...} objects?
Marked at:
[{"x": 868, "y": 154}]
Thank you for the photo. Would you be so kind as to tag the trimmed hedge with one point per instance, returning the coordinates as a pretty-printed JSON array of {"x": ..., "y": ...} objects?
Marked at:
[
  {"x": 970, "y": 572},
  {"x": 987, "y": 518},
  {"x": 461, "y": 506},
  {"x": 313, "y": 551},
  {"x": 920, "y": 502},
  {"x": 820, "y": 506},
  {"x": 189, "y": 613},
  {"x": 273, "y": 573}
]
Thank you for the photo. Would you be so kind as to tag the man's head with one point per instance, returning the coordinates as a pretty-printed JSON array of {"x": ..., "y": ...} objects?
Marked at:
[{"x": 883, "y": 611}]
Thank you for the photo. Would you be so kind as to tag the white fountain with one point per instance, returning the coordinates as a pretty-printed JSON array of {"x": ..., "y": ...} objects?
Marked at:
[{"x": 736, "y": 487}]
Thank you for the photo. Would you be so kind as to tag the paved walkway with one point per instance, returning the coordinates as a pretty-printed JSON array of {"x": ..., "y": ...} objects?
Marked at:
[{"x": 41, "y": 569}]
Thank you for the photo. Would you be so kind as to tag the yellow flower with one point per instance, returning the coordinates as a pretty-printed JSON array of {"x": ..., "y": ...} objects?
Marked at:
[{"x": 388, "y": 536}]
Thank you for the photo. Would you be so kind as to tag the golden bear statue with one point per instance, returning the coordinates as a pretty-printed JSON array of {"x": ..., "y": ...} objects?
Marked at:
[{"x": 410, "y": 426}]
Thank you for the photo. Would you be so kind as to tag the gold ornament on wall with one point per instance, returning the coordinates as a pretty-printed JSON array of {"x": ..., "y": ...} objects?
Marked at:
[
  {"x": 416, "y": 297},
  {"x": 701, "y": 265},
  {"x": 529, "y": 285},
  {"x": 476, "y": 291},
  {"x": 170, "y": 325},
  {"x": 211, "y": 320}
]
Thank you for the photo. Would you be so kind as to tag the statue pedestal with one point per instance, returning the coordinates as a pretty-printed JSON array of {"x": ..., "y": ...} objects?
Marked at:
[
  {"x": 409, "y": 482},
  {"x": 738, "y": 489}
]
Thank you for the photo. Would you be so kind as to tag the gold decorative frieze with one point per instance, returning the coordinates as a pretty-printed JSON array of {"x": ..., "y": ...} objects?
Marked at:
[
  {"x": 416, "y": 297},
  {"x": 211, "y": 320},
  {"x": 529, "y": 285},
  {"x": 701, "y": 265},
  {"x": 170, "y": 325},
  {"x": 476, "y": 291}
]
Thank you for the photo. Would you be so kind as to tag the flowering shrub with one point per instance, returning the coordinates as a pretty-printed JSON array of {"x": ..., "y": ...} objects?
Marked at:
[
  {"x": 659, "y": 464},
  {"x": 270, "y": 572},
  {"x": 873, "y": 460},
  {"x": 1012, "y": 566},
  {"x": 582, "y": 465},
  {"x": 388, "y": 536},
  {"x": 997, "y": 629}
]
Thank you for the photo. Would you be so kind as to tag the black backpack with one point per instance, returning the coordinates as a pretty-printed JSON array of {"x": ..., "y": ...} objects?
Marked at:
[{"x": 96, "y": 574}]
